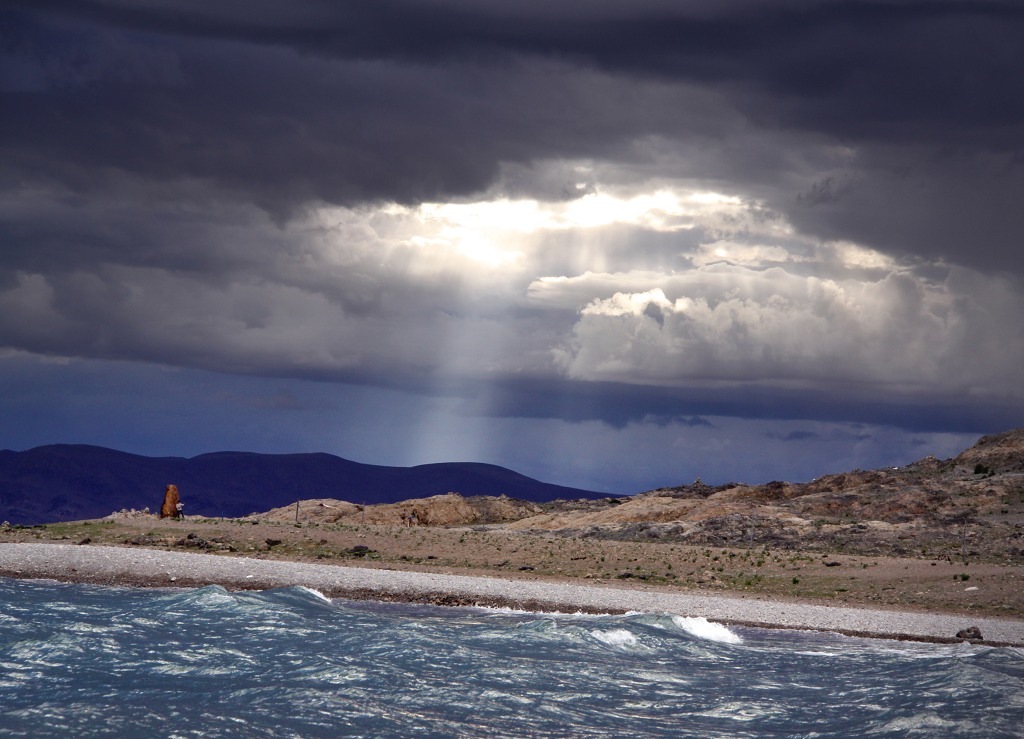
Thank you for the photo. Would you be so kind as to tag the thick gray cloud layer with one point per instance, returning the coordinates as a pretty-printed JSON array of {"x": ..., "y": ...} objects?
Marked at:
[
  {"x": 409, "y": 101},
  {"x": 579, "y": 210}
]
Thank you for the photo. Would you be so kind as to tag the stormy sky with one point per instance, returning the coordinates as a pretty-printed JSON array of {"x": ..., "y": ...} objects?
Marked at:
[{"x": 613, "y": 245}]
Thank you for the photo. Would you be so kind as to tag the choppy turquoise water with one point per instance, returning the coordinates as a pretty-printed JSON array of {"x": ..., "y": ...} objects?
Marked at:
[{"x": 79, "y": 660}]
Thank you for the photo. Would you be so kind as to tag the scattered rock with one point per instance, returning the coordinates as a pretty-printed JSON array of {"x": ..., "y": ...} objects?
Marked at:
[
  {"x": 128, "y": 513},
  {"x": 144, "y": 540},
  {"x": 971, "y": 633},
  {"x": 194, "y": 541}
]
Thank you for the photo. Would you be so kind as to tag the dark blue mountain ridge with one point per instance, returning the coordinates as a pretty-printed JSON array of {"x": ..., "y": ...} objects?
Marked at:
[{"x": 70, "y": 482}]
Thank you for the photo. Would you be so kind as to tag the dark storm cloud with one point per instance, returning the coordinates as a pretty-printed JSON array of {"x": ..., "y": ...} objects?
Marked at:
[
  {"x": 281, "y": 127},
  {"x": 159, "y": 163},
  {"x": 407, "y": 101}
]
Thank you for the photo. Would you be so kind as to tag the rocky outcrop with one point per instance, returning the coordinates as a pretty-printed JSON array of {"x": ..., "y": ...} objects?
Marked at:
[
  {"x": 995, "y": 453},
  {"x": 451, "y": 509},
  {"x": 170, "y": 509}
]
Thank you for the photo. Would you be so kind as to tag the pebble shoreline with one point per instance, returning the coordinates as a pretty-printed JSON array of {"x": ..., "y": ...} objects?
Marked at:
[{"x": 154, "y": 568}]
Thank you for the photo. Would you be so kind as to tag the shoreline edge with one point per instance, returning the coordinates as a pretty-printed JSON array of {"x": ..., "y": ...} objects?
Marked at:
[{"x": 116, "y": 566}]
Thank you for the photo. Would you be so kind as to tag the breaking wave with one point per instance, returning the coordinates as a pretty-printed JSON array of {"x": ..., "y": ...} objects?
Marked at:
[
  {"x": 84, "y": 660},
  {"x": 704, "y": 629}
]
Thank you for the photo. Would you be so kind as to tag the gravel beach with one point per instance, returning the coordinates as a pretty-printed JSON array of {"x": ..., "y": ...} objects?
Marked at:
[{"x": 154, "y": 568}]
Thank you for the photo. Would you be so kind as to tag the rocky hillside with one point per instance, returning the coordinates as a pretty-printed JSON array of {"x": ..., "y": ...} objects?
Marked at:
[
  {"x": 995, "y": 454},
  {"x": 971, "y": 505},
  {"x": 450, "y": 509}
]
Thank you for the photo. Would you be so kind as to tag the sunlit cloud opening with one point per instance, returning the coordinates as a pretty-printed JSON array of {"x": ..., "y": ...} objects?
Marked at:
[
  {"x": 501, "y": 233},
  {"x": 662, "y": 210},
  {"x": 737, "y": 294}
]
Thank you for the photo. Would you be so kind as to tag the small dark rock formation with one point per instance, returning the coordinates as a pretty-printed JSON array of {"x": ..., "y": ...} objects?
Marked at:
[
  {"x": 359, "y": 550},
  {"x": 194, "y": 541},
  {"x": 971, "y": 633},
  {"x": 170, "y": 507}
]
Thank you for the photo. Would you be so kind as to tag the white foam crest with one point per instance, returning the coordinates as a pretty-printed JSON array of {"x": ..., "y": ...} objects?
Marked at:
[
  {"x": 505, "y": 610},
  {"x": 701, "y": 628},
  {"x": 743, "y": 711},
  {"x": 615, "y": 637},
  {"x": 314, "y": 592},
  {"x": 920, "y": 722}
]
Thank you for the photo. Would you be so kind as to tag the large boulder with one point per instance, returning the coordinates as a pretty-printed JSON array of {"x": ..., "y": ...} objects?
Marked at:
[
  {"x": 170, "y": 507},
  {"x": 971, "y": 633}
]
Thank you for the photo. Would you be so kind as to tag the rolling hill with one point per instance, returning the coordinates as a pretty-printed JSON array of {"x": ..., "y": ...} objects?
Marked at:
[{"x": 66, "y": 482}]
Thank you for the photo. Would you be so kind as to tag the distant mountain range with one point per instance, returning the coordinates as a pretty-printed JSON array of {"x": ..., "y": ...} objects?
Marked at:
[{"x": 68, "y": 482}]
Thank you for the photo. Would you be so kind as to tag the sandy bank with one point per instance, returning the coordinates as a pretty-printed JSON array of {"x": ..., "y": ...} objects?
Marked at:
[{"x": 144, "y": 567}]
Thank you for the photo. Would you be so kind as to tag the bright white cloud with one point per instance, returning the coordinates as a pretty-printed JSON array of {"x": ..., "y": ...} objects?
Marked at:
[
  {"x": 674, "y": 286},
  {"x": 729, "y": 323},
  {"x": 665, "y": 209},
  {"x": 749, "y": 255},
  {"x": 508, "y": 234}
]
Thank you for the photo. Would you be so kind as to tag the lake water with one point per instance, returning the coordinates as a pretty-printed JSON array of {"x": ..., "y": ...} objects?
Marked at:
[{"x": 79, "y": 660}]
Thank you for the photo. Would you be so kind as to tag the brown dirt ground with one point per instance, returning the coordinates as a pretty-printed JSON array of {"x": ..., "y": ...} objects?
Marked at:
[{"x": 939, "y": 585}]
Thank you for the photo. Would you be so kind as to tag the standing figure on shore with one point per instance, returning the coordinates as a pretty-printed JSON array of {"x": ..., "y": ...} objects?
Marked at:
[{"x": 170, "y": 507}]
